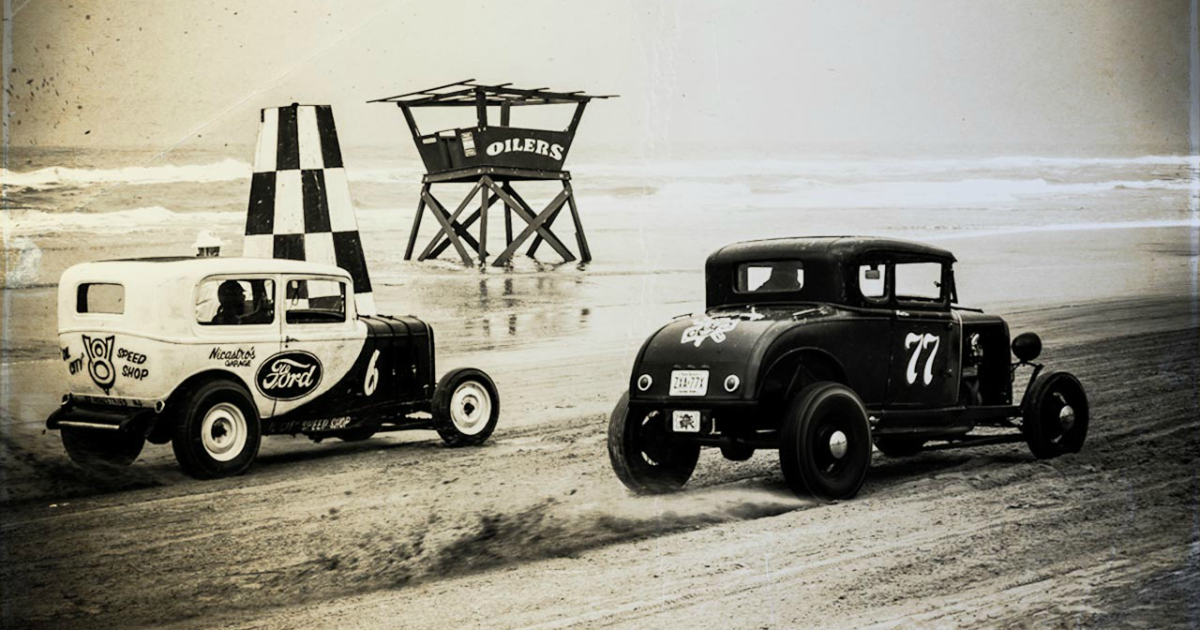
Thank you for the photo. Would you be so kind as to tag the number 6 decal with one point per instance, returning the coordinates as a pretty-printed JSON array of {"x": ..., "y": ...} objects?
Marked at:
[
  {"x": 919, "y": 343},
  {"x": 372, "y": 379}
]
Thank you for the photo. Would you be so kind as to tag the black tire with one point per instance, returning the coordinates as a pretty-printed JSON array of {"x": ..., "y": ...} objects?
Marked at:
[
  {"x": 217, "y": 431},
  {"x": 466, "y": 407},
  {"x": 103, "y": 450},
  {"x": 737, "y": 452},
  {"x": 899, "y": 446},
  {"x": 643, "y": 461},
  {"x": 1055, "y": 415},
  {"x": 810, "y": 445}
]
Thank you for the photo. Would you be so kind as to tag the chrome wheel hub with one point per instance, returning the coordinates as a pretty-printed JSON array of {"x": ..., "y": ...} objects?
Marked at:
[
  {"x": 470, "y": 408},
  {"x": 838, "y": 445},
  {"x": 223, "y": 432},
  {"x": 1066, "y": 417}
]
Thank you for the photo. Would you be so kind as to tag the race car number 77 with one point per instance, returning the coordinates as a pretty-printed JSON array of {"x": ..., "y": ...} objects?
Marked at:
[{"x": 918, "y": 343}]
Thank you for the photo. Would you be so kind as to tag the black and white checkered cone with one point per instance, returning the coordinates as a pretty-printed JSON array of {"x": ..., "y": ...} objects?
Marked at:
[{"x": 299, "y": 202}]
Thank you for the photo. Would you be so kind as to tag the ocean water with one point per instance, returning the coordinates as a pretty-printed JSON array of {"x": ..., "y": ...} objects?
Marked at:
[{"x": 650, "y": 223}]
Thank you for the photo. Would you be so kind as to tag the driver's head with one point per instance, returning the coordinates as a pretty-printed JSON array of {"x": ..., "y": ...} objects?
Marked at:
[{"x": 230, "y": 293}]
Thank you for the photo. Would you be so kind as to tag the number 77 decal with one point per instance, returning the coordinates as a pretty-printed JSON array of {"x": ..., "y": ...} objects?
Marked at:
[{"x": 918, "y": 343}]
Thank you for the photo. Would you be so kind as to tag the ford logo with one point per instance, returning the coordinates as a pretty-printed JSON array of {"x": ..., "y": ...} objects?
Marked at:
[{"x": 289, "y": 375}]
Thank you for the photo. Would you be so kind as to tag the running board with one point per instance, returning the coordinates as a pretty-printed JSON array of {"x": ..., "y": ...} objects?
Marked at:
[{"x": 982, "y": 440}]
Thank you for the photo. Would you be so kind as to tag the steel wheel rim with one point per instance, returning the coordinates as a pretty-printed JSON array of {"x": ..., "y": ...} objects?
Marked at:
[
  {"x": 650, "y": 445},
  {"x": 470, "y": 408},
  {"x": 223, "y": 432}
]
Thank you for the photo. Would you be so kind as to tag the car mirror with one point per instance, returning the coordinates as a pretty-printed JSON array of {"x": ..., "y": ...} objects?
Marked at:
[
  {"x": 872, "y": 274},
  {"x": 1027, "y": 346}
]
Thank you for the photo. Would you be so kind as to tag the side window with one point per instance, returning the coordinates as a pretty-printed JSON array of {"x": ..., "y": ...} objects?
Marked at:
[
  {"x": 235, "y": 302},
  {"x": 777, "y": 276},
  {"x": 100, "y": 297},
  {"x": 312, "y": 301},
  {"x": 872, "y": 281},
  {"x": 919, "y": 281}
]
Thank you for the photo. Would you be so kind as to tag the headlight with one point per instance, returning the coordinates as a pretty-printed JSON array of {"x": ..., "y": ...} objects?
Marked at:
[
  {"x": 732, "y": 382},
  {"x": 644, "y": 382}
]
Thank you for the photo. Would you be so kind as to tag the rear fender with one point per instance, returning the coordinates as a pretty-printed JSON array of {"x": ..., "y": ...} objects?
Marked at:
[
  {"x": 161, "y": 427},
  {"x": 793, "y": 370}
]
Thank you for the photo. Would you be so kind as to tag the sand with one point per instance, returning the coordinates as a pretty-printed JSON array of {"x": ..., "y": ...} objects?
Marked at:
[{"x": 533, "y": 530}]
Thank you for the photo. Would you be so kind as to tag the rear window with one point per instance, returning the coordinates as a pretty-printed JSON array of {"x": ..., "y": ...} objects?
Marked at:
[
  {"x": 775, "y": 276},
  {"x": 100, "y": 297}
]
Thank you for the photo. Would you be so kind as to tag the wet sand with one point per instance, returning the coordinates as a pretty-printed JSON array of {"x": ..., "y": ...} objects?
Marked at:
[{"x": 533, "y": 530}]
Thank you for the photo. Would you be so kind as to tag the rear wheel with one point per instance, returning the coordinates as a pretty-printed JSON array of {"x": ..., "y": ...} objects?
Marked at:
[
  {"x": 101, "y": 449},
  {"x": 1055, "y": 416},
  {"x": 825, "y": 449},
  {"x": 466, "y": 407},
  {"x": 642, "y": 456},
  {"x": 217, "y": 433}
]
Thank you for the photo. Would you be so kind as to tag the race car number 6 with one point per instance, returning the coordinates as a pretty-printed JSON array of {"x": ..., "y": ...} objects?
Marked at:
[
  {"x": 918, "y": 343},
  {"x": 372, "y": 380}
]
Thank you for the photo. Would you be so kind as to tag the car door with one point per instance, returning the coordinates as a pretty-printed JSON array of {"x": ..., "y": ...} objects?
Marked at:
[
  {"x": 322, "y": 342},
  {"x": 237, "y": 327},
  {"x": 925, "y": 337}
]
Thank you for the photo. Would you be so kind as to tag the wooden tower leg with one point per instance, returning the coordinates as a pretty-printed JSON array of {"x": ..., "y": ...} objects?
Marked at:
[
  {"x": 507, "y": 225},
  {"x": 416, "y": 226},
  {"x": 585, "y": 254},
  {"x": 483, "y": 212}
]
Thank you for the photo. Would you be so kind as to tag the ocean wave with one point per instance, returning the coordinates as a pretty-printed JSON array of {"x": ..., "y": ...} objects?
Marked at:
[
  {"x": 54, "y": 176},
  {"x": 1066, "y": 227},
  {"x": 34, "y": 222},
  {"x": 649, "y": 168}
]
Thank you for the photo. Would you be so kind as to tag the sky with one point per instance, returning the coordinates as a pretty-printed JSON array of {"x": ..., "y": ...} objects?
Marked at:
[{"x": 1019, "y": 76}]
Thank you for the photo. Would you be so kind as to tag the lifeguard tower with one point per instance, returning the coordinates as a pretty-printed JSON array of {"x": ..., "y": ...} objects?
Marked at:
[{"x": 492, "y": 157}]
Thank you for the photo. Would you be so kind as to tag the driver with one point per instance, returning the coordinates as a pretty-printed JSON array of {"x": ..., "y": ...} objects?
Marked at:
[
  {"x": 783, "y": 278},
  {"x": 232, "y": 298}
]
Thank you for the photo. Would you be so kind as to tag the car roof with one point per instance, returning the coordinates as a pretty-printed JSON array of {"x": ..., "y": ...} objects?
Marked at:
[
  {"x": 188, "y": 265},
  {"x": 834, "y": 247}
]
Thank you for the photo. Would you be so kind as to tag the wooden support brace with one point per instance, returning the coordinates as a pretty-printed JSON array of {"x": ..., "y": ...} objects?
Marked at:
[
  {"x": 535, "y": 225},
  {"x": 440, "y": 214},
  {"x": 526, "y": 213},
  {"x": 465, "y": 225},
  {"x": 460, "y": 230},
  {"x": 537, "y": 240}
]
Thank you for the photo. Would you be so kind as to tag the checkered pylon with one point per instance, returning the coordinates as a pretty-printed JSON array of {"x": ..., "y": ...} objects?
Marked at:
[{"x": 299, "y": 201}]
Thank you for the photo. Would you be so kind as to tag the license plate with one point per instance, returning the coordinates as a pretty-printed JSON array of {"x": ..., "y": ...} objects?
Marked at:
[
  {"x": 689, "y": 382},
  {"x": 685, "y": 421}
]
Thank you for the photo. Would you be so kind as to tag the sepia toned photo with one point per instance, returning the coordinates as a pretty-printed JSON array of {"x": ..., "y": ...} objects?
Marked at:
[{"x": 510, "y": 315}]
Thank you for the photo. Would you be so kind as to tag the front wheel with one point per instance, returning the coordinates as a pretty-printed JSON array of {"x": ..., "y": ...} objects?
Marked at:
[
  {"x": 217, "y": 433},
  {"x": 642, "y": 456},
  {"x": 1055, "y": 415},
  {"x": 466, "y": 407},
  {"x": 101, "y": 449},
  {"x": 825, "y": 449}
]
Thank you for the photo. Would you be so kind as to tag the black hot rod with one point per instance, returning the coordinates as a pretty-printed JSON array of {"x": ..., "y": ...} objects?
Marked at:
[{"x": 820, "y": 347}]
